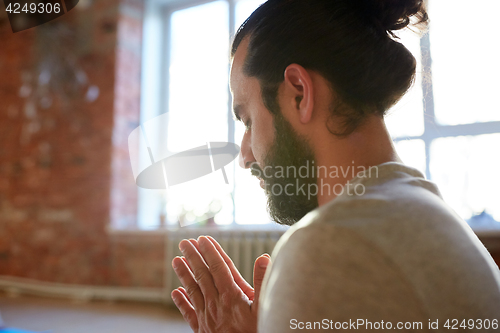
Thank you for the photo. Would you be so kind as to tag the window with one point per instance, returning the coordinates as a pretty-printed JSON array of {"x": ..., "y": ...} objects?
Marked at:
[
  {"x": 190, "y": 42},
  {"x": 454, "y": 136},
  {"x": 447, "y": 125}
]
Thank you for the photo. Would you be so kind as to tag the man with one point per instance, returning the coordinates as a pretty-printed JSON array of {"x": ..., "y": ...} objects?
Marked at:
[{"x": 375, "y": 246}]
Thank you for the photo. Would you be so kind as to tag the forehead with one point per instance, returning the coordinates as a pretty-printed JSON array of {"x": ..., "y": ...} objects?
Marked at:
[{"x": 237, "y": 77}]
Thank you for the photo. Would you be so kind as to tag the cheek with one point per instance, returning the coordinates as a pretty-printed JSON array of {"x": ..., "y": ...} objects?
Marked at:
[{"x": 262, "y": 137}]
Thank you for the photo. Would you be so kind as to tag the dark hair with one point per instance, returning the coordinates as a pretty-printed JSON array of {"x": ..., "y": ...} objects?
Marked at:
[{"x": 349, "y": 42}]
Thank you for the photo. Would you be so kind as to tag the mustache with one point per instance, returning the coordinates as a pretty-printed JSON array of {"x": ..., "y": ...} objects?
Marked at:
[{"x": 256, "y": 171}]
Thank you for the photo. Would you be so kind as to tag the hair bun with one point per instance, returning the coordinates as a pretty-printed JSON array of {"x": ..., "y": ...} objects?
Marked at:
[{"x": 391, "y": 15}]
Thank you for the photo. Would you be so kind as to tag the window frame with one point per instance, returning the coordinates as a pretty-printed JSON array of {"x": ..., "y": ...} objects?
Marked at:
[{"x": 432, "y": 129}]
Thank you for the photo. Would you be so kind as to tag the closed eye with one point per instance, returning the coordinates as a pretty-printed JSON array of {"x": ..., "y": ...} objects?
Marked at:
[{"x": 236, "y": 113}]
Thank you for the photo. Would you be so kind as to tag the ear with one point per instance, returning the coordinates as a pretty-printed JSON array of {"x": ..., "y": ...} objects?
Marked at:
[{"x": 298, "y": 82}]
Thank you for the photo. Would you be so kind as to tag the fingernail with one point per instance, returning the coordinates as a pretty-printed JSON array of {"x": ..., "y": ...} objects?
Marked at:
[
  {"x": 174, "y": 263},
  {"x": 263, "y": 263},
  {"x": 182, "y": 246},
  {"x": 201, "y": 241}
]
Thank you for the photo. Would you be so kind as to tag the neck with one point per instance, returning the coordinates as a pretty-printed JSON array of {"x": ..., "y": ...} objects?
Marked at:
[{"x": 338, "y": 160}]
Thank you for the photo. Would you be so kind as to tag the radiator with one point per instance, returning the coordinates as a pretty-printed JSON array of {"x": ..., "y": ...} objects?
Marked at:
[{"x": 243, "y": 246}]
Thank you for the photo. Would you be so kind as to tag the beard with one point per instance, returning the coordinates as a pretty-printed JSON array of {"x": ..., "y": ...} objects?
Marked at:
[{"x": 288, "y": 192}]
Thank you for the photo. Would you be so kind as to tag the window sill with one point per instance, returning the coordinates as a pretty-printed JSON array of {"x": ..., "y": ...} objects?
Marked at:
[
  {"x": 487, "y": 233},
  {"x": 202, "y": 230}
]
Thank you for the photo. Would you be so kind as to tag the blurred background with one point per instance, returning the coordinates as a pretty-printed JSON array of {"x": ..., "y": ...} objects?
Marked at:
[{"x": 75, "y": 228}]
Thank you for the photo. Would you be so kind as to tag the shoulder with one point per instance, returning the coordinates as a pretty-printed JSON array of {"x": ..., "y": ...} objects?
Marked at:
[
  {"x": 383, "y": 190},
  {"x": 390, "y": 198}
]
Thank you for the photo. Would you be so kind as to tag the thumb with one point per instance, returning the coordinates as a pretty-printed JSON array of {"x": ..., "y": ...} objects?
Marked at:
[{"x": 259, "y": 270}]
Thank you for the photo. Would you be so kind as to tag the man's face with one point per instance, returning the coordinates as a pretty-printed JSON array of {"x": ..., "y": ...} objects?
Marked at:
[{"x": 272, "y": 149}]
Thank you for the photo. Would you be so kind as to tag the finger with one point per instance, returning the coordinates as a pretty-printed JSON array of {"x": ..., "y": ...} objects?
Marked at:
[
  {"x": 186, "y": 308},
  {"x": 197, "y": 246},
  {"x": 256, "y": 273},
  {"x": 195, "y": 243},
  {"x": 188, "y": 281},
  {"x": 218, "y": 268},
  {"x": 182, "y": 290},
  {"x": 259, "y": 270},
  {"x": 200, "y": 270},
  {"x": 240, "y": 281},
  {"x": 187, "y": 264}
]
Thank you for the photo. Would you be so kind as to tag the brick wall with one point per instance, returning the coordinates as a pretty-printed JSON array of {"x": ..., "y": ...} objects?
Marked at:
[
  {"x": 127, "y": 105},
  {"x": 64, "y": 168}
]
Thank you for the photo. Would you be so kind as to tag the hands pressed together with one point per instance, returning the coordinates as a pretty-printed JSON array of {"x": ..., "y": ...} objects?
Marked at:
[{"x": 215, "y": 297}]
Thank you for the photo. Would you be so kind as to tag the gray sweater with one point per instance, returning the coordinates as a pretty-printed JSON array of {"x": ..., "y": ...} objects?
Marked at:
[{"x": 396, "y": 255}]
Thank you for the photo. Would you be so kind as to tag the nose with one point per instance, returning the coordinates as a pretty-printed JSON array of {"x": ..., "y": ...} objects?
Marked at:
[{"x": 246, "y": 157}]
